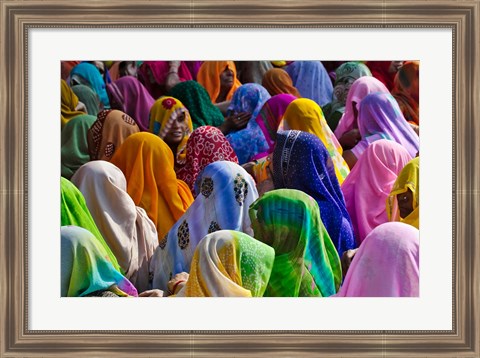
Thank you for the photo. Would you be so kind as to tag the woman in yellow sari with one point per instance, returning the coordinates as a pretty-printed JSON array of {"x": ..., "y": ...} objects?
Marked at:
[
  {"x": 403, "y": 203},
  {"x": 305, "y": 115},
  {"x": 147, "y": 163}
]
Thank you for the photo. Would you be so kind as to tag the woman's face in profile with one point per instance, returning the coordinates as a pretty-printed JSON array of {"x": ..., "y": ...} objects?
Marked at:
[
  {"x": 226, "y": 78},
  {"x": 405, "y": 203}
]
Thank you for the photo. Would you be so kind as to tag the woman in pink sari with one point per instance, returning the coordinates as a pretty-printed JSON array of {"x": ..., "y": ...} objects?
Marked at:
[
  {"x": 368, "y": 185},
  {"x": 386, "y": 264}
]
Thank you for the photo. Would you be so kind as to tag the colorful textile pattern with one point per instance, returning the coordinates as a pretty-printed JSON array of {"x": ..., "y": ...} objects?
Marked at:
[
  {"x": 407, "y": 179},
  {"x": 305, "y": 115},
  {"x": 126, "y": 228},
  {"x": 108, "y": 132},
  {"x": 379, "y": 114},
  {"x": 269, "y": 119},
  {"x": 359, "y": 90},
  {"x": 87, "y": 74},
  {"x": 198, "y": 103},
  {"x": 164, "y": 111},
  {"x": 147, "y": 163},
  {"x": 405, "y": 90},
  {"x": 311, "y": 80},
  {"x": 277, "y": 81},
  {"x": 306, "y": 261},
  {"x": 206, "y": 145},
  {"x": 369, "y": 184},
  {"x": 74, "y": 211},
  {"x": 249, "y": 141},
  {"x": 69, "y": 101},
  {"x": 89, "y": 98},
  {"x": 301, "y": 161},
  {"x": 153, "y": 75},
  {"x": 386, "y": 264},
  {"x": 74, "y": 146},
  {"x": 209, "y": 77},
  {"x": 226, "y": 191},
  {"x": 85, "y": 266},
  {"x": 345, "y": 75},
  {"x": 229, "y": 263},
  {"x": 128, "y": 95}
]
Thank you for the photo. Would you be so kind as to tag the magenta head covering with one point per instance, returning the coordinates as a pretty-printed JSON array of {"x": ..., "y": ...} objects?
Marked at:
[
  {"x": 379, "y": 113},
  {"x": 358, "y": 91},
  {"x": 128, "y": 95},
  {"x": 368, "y": 185},
  {"x": 270, "y": 117},
  {"x": 386, "y": 264}
]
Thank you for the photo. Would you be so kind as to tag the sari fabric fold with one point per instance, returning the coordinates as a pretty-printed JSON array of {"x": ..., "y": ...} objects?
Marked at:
[
  {"x": 386, "y": 264},
  {"x": 69, "y": 101},
  {"x": 86, "y": 268},
  {"x": 225, "y": 192},
  {"x": 87, "y": 74},
  {"x": 89, "y": 98},
  {"x": 229, "y": 263},
  {"x": 369, "y": 184},
  {"x": 147, "y": 163},
  {"x": 405, "y": 90},
  {"x": 209, "y": 77},
  {"x": 306, "y": 261},
  {"x": 277, "y": 81},
  {"x": 301, "y": 161}
]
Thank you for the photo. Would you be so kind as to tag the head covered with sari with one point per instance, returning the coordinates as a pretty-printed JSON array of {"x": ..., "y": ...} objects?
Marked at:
[
  {"x": 358, "y": 91},
  {"x": 301, "y": 161},
  {"x": 369, "y": 183},
  {"x": 312, "y": 80},
  {"x": 379, "y": 114},
  {"x": 306, "y": 261},
  {"x": 209, "y": 77},
  {"x": 270, "y": 117},
  {"x": 87, "y": 74},
  {"x": 305, "y": 115},
  {"x": 74, "y": 211},
  {"x": 74, "y": 145},
  {"x": 249, "y": 141},
  {"x": 164, "y": 111},
  {"x": 126, "y": 228},
  {"x": 154, "y": 74},
  {"x": 204, "y": 146},
  {"x": 147, "y": 163},
  {"x": 69, "y": 103},
  {"x": 85, "y": 266},
  {"x": 386, "y": 264},
  {"x": 108, "y": 133},
  {"x": 225, "y": 192},
  {"x": 408, "y": 179},
  {"x": 89, "y": 98},
  {"x": 405, "y": 90},
  {"x": 277, "y": 81},
  {"x": 128, "y": 95},
  {"x": 196, "y": 99},
  {"x": 229, "y": 263}
]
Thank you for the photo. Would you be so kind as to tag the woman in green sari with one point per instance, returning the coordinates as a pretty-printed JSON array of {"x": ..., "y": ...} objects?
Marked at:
[{"x": 306, "y": 261}]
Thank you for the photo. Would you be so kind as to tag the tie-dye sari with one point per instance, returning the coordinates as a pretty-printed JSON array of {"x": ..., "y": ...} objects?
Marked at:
[
  {"x": 305, "y": 115},
  {"x": 85, "y": 266},
  {"x": 306, "y": 261},
  {"x": 226, "y": 191},
  {"x": 301, "y": 161},
  {"x": 249, "y": 141},
  {"x": 229, "y": 263},
  {"x": 147, "y": 163}
]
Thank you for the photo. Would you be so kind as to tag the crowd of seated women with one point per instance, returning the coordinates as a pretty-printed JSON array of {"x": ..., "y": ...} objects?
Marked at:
[{"x": 239, "y": 178}]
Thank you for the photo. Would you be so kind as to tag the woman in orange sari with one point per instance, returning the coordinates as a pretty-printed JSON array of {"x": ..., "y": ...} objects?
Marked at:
[{"x": 147, "y": 162}]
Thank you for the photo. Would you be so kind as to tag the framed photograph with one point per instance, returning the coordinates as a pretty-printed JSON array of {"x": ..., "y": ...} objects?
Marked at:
[{"x": 443, "y": 36}]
